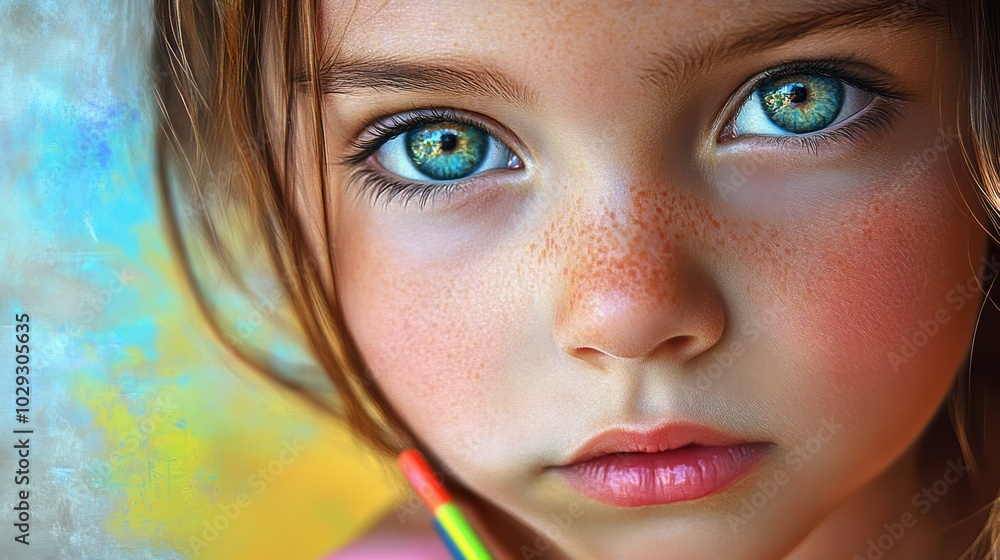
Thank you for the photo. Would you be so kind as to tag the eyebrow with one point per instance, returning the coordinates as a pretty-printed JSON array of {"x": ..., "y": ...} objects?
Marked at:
[
  {"x": 446, "y": 77},
  {"x": 345, "y": 75},
  {"x": 680, "y": 64}
]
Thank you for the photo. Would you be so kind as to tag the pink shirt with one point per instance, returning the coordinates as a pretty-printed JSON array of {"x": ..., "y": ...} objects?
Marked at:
[{"x": 415, "y": 548}]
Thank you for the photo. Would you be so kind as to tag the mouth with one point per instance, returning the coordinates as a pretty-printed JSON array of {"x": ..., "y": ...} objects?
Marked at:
[{"x": 669, "y": 463}]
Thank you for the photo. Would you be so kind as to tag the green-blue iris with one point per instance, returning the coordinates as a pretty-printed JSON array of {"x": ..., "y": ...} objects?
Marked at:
[
  {"x": 446, "y": 151},
  {"x": 802, "y": 103}
]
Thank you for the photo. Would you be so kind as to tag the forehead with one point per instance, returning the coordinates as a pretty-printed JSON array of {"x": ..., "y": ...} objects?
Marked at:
[
  {"x": 482, "y": 22},
  {"x": 591, "y": 27},
  {"x": 577, "y": 42}
]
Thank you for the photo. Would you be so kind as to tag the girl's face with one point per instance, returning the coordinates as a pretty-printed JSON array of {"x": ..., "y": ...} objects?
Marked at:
[{"x": 593, "y": 215}]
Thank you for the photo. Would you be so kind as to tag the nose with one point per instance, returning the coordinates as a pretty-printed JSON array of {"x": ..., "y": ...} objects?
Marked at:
[{"x": 631, "y": 293}]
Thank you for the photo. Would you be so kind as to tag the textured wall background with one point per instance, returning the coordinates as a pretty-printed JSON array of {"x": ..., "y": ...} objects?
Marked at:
[{"x": 144, "y": 435}]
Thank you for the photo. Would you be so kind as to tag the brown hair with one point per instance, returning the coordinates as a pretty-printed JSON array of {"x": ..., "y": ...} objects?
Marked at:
[
  {"x": 224, "y": 164},
  {"x": 978, "y": 24},
  {"x": 218, "y": 147}
]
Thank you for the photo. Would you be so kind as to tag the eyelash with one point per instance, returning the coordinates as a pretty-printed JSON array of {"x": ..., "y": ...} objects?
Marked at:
[
  {"x": 374, "y": 184},
  {"x": 878, "y": 117}
]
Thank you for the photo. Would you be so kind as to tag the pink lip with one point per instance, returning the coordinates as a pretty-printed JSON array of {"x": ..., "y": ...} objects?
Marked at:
[{"x": 669, "y": 463}]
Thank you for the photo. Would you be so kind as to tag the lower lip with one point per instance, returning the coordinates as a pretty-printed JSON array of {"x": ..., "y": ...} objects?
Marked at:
[{"x": 646, "y": 479}]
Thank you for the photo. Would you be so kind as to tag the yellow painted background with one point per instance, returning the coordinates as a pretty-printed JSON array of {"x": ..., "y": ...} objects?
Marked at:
[{"x": 144, "y": 432}]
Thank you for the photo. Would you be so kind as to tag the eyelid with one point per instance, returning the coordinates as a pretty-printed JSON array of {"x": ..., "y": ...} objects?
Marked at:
[
  {"x": 368, "y": 176},
  {"x": 851, "y": 72},
  {"x": 380, "y": 131}
]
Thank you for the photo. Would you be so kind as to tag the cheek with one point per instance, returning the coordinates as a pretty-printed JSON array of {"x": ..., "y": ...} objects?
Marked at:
[
  {"x": 433, "y": 334},
  {"x": 871, "y": 320},
  {"x": 881, "y": 296}
]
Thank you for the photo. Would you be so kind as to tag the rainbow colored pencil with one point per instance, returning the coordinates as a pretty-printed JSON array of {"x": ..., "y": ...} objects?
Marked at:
[{"x": 451, "y": 525}]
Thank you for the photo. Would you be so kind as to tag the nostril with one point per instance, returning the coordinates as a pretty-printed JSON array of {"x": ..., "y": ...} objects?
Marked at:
[
  {"x": 678, "y": 344},
  {"x": 586, "y": 352},
  {"x": 680, "y": 347}
]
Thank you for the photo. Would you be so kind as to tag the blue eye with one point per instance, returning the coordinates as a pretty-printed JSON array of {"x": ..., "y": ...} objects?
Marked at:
[
  {"x": 798, "y": 104},
  {"x": 443, "y": 151}
]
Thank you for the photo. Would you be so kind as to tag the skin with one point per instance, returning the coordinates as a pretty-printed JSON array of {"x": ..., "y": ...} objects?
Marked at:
[{"x": 596, "y": 285}]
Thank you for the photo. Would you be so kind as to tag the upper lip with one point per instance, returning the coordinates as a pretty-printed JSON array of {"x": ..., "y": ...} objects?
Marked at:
[{"x": 654, "y": 439}]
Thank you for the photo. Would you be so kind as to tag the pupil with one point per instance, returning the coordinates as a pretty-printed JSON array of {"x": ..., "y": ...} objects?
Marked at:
[
  {"x": 798, "y": 93},
  {"x": 802, "y": 104},
  {"x": 448, "y": 141}
]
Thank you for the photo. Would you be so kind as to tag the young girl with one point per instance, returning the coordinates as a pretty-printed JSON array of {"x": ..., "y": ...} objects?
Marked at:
[{"x": 642, "y": 280}]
